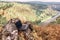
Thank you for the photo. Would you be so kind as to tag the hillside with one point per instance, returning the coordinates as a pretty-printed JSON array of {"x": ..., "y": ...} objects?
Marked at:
[
  {"x": 49, "y": 32},
  {"x": 26, "y": 12},
  {"x": 34, "y": 13}
]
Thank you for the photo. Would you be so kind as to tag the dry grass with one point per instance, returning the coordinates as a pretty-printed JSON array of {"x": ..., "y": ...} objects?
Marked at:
[{"x": 49, "y": 32}]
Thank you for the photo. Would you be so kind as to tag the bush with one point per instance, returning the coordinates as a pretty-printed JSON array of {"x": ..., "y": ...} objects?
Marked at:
[{"x": 2, "y": 20}]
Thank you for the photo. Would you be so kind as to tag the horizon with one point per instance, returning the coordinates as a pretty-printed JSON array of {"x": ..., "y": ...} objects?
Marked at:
[{"x": 31, "y": 0}]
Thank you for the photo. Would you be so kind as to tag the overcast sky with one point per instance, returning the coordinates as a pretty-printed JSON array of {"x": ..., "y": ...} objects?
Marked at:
[{"x": 33, "y": 0}]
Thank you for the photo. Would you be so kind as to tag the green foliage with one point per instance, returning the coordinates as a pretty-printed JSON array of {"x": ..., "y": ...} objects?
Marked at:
[
  {"x": 2, "y": 20},
  {"x": 5, "y": 5},
  {"x": 37, "y": 22},
  {"x": 58, "y": 20},
  {"x": 36, "y": 14}
]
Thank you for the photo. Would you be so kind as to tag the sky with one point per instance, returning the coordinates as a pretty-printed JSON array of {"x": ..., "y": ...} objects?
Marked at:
[{"x": 33, "y": 0}]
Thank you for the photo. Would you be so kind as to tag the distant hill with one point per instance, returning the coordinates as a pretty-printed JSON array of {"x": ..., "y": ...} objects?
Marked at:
[
  {"x": 34, "y": 2},
  {"x": 39, "y": 2}
]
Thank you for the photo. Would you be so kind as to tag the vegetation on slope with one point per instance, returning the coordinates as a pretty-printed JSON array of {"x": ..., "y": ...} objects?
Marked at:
[
  {"x": 57, "y": 21},
  {"x": 2, "y": 20},
  {"x": 26, "y": 12},
  {"x": 49, "y": 32}
]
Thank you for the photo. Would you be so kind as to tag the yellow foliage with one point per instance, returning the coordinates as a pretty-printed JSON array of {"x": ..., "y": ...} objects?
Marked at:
[
  {"x": 1, "y": 11},
  {"x": 22, "y": 11}
]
